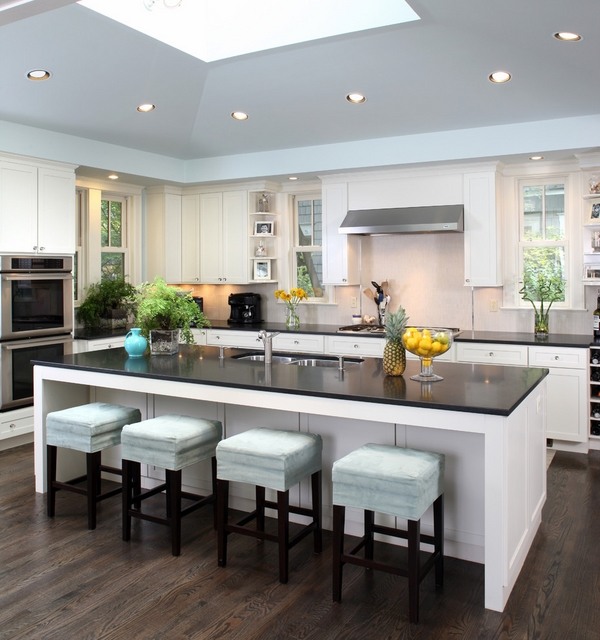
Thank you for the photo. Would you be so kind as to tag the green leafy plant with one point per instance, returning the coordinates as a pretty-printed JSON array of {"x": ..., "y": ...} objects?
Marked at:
[
  {"x": 159, "y": 306},
  {"x": 105, "y": 300},
  {"x": 543, "y": 284}
]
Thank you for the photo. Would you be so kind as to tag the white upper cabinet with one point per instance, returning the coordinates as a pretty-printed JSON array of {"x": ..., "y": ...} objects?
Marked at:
[
  {"x": 37, "y": 208},
  {"x": 163, "y": 234},
  {"x": 482, "y": 251},
  {"x": 224, "y": 237},
  {"x": 190, "y": 238},
  {"x": 340, "y": 251}
]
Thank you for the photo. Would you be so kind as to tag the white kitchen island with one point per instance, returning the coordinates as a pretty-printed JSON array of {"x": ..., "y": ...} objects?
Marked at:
[{"x": 488, "y": 420}]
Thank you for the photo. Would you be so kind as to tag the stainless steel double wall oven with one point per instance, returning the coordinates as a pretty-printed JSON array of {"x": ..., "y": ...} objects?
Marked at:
[{"x": 36, "y": 320}]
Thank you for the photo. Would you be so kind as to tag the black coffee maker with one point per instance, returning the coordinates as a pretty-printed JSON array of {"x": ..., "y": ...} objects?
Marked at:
[{"x": 245, "y": 308}]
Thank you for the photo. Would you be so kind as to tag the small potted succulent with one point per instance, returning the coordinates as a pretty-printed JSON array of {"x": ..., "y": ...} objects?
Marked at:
[
  {"x": 164, "y": 314},
  {"x": 107, "y": 304}
]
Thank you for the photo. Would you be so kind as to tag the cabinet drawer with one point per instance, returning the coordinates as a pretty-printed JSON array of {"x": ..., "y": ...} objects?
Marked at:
[
  {"x": 17, "y": 424},
  {"x": 241, "y": 339},
  {"x": 304, "y": 343},
  {"x": 113, "y": 343},
  {"x": 491, "y": 353},
  {"x": 557, "y": 357},
  {"x": 351, "y": 346}
]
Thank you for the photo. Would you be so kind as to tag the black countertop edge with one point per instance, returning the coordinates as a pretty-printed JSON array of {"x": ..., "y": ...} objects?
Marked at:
[
  {"x": 498, "y": 390},
  {"x": 467, "y": 335}
]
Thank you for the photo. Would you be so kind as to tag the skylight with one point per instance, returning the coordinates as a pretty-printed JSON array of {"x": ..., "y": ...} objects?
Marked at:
[{"x": 214, "y": 30}]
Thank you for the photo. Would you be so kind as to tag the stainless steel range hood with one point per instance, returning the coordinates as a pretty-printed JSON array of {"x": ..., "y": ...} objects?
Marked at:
[{"x": 435, "y": 219}]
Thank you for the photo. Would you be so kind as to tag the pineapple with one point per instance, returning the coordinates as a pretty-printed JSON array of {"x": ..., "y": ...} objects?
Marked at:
[{"x": 394, "y": 355}]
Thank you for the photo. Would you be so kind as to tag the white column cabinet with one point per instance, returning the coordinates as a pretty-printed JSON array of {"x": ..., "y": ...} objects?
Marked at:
[
  {"x": 223, "y": 237},
  {"x": 340, "y": 251},
  {"x": 37, "y": 208}
]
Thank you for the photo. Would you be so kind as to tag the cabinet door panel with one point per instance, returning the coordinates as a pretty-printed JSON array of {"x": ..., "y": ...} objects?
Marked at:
[
  {"x": 210, "y": 237},
  {"x": 56, "y": 211},
  {"x": 18, "y": 207},
  {"x": 190, "y": 238},
  {"x": 566, "y": 405},
  {"x": 235, "y": 237}
]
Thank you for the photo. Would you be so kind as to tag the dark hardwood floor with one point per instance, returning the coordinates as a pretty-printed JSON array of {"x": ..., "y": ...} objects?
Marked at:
[{"x": 60, "y": 581}]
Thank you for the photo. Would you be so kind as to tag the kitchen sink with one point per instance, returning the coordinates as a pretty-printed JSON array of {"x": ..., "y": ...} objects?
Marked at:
[
  {"x": 324, "y": 362},
  {"x": 299, "y": 360},
  {"x": 260, "y": 357}
]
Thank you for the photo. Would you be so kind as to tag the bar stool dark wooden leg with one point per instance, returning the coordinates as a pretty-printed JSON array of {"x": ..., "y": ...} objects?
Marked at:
[
  {"x": 50, "y": 478},
  {"x": 414, "y": 569},
  {"x": 283, "y": 533},
  {"x": 339, "y": 517},
  {"x": 260, "y": 508},
  {"x": 438, "y": 534},
  {"x": 369, "y": 522},
  {"x": 317, "y": 506},
  {"x": 222, "y": 520},
  {"x": 174, "y": 509}
]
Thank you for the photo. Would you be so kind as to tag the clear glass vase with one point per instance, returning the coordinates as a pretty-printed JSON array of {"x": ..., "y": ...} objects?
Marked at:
[
  {"x": 540, "y": 324},
  {"x": 292, "y": 320}
]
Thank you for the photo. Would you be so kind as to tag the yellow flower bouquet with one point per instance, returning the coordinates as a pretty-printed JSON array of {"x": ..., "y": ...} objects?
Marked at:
[{"x": 291, "y": 299}]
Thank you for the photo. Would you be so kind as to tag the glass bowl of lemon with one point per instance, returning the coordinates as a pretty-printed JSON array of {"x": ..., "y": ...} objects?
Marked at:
[{"x": 427, "y": 343}]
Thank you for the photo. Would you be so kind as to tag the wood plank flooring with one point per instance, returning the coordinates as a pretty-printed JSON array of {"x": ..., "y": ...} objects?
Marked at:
[{"x": 60, "y": 581}]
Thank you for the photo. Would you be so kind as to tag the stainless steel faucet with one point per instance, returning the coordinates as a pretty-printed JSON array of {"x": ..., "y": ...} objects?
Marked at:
[{"x": 267, "y": 339}]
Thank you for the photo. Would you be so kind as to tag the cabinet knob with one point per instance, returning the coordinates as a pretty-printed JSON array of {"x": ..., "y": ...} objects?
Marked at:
[
  {"x": 491, "y": 354},
  {"x": 296, "y": 342},
  {"x": 217, "y": 337},
  {"x": 557, "y": 357},
  {"x": 42, "y": 248},
  {"x": 12, "y": 425},
  {"x": 35, "y": 247},
  {"x": 356, "y": 346}
]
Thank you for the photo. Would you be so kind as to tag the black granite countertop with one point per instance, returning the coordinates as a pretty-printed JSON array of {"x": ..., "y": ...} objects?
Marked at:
[
  {"x": 486, "y": 389},
  {"x": 529, "y": 339}
]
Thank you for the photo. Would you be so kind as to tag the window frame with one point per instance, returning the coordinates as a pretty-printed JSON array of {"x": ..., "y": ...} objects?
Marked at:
[{"x": 296, "y": 248}]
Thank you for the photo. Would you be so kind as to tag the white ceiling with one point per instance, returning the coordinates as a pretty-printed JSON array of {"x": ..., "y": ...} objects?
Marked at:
[{"x": 420, "y": 78}]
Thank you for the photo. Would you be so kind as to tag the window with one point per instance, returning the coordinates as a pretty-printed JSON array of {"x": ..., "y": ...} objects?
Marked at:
[
  {"x": 113, "y": 239},
  {"x": 307, "y": 253},
  {"x": 543, "y": 242}
]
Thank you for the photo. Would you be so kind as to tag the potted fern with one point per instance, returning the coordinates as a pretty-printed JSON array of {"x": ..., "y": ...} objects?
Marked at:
[
  {"x": 166, "y": 314},
  {"x": 107, "y": 303}
]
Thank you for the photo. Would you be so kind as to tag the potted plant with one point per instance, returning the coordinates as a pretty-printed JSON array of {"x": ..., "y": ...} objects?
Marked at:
[
  {"x": 107, "y": 304},
  {"x": 165, "y": 313},
  {"x": 543, "y": 284}
]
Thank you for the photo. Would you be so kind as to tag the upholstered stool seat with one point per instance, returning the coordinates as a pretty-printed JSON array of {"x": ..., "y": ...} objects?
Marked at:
[
  {"x": 270, "y": 459},
  {"x": 396, "y": 481},
  {"x": 171, "y": 442},
  {"x": 89, "y": 428}
]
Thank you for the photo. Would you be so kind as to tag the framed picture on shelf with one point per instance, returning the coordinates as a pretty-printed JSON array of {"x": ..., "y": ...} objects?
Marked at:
[
  {"x": 595, "y": 214},
  {"x": 262, "y": 270},
  {"x": 264, "y": 228}
]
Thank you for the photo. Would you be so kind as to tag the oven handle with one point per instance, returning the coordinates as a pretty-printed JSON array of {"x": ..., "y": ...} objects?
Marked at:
[
  {"x": 19, "y": 344},
  {"x": 54, "y": 275}
]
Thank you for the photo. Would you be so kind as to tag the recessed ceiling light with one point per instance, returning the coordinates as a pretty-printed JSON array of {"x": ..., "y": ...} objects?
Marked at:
[
  {"x": 499, "y": 77},
  {"x": 146, "y": 108},
  {"x": 356, "y": 98},
  {"x": 567, "y": 36},
  {"x": 293, "y": 178},
  {"x": 38, "y": 74},
  {"x": 113, "y": 176},
  {"x": 239, "y": 115},
  {"x": 536, "y": 157}
]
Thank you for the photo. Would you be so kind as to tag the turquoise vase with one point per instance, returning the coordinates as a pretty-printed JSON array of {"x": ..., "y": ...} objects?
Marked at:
[{"x": 135, "y": 343}]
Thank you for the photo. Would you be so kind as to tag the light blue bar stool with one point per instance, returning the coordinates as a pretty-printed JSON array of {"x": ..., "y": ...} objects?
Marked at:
[
  {"x": 171, "y": 442},
  {"x": 272, "y": 459},
  {"x": 89, "y": 428},
  {"x": 396, "y": 481}
]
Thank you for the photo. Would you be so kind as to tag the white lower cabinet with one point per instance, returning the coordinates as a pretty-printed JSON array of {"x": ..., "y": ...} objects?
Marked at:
[
  {"x": 16, "y": 423},
  {"x": 352, "y": 346},
  {"x": 97, "y": 345},
  {"x": 299, "y": 342},
  {"x": 566, "y": 408},
  {"x": 491, "y": 353},
  {"x": 232, "y": 338}
]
